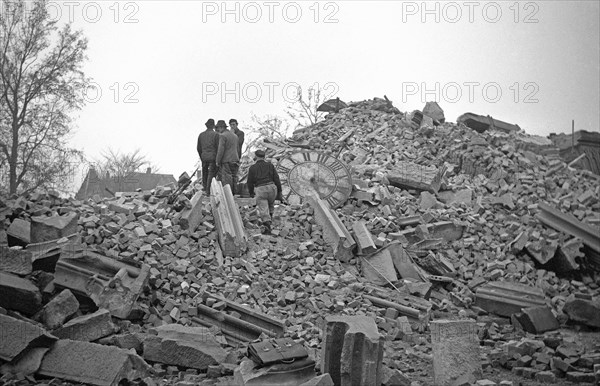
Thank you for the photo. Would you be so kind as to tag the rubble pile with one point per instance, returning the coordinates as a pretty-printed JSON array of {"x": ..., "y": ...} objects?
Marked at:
[{"x": 444, "y": 222}]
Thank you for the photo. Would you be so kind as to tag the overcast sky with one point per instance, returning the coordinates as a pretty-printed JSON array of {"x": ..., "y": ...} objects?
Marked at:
[{"x": 164, "y": 67}]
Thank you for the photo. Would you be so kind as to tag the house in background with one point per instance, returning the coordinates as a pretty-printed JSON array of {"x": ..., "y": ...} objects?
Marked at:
[
  {"x": 107, "y": 186},
  {"x": 580, "y": 142}
]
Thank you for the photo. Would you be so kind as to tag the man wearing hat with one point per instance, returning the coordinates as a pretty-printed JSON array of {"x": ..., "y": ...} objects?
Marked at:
[
  {"x": 228, "y": 160},
  {"x": 264, "y": 181},
  {"x": 208, "y": 141}
]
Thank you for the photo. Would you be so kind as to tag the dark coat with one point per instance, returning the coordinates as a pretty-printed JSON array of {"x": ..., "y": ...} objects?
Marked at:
[
  {"x": 208, "y": 143},
  {"x": 240, "y": 134}
]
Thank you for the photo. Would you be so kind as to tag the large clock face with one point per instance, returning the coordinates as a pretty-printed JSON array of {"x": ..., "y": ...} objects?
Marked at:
[{"x": 305, "y": 172}]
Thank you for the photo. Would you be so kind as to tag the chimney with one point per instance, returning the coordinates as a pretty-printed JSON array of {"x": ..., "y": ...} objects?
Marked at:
[{"x": 149, "y": 170}]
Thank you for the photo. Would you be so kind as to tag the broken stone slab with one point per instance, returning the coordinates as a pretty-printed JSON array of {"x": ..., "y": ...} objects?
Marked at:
[
  {"x": 363, "y": 238},
  {"x": 228, "y": 221},
  {"x": 463, "y": 196},
  {"x": 92, "y": 363},
  {"x": 505, "y": 199},
  {"x": 58, "y": 310},
  {"x": 18, "y": 336},
  {"x": 111, "y": 284},
  {"x": 403, "y": 309},
  {"x": 446, "y": 230},
  {"x": 408, "y": 175},
  {"x": 378, "y": 268},
  {"x": 567, "y": 256},
  {"x": 428, "y": 201},
  {"x": 434, "y": 111},
  {"x": 19, "y": 232},
  {"x": 19, "y": 294},
  {"x": 353, "y": 351},
  {"x": 87, "y": 328},
  {"x": 505, "y": 299},
  {"x": 15, "y": 260},
  {"x": 191, "y": 218},
  {"x": 394, "y": 377},
  {"x": 542, "y": 250},
  {"x": 583, "y": 311},
  {"x": 120, "y": 207},
  {"x": 126, "y": 341},
  {"x": 538, "y": 320},
  {"x": 282, "y": 374},
  {"x": 174, "y": 344},
  {"x": 403, "y": 262},
  {"x": 54, "y": 248},
  {"x": 44, "y": 228},
  {"x": 455, "y": 345},
  {"x": 334, "y": 231},
  {"x": 237, "y": 322},
  {"x": 26, "y": 364}
]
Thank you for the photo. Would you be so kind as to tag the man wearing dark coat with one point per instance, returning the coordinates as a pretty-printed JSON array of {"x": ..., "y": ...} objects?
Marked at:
[
  {"x": 228, "y": 160},
  {"x": 208, "y": 142}
]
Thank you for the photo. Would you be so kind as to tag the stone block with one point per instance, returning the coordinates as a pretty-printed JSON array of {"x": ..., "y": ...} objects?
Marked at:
[
  {"x": 174, "y": 344},
  {"x": 127, "y": 341},
  {"x": 353, "y": 351},
  {"x": 44, "y": 228},
  {"x": 455, "y": 346},
  {"x": 580, "y": 377},
  {"x": 20, "y": 232},
  {"x": 394, "y": 377},
  {"x": 545, "y": 377},
  {"x": 17, "y": 336},
  {"x": 538, "y": 320},
  {"x": 17, "y": 261},
  {"x": 92, "y": 363},
  {"x": 58, "y": 310},
  {"x": 191, "y": 218},
  {"x": 583, "y": 311},
  {"x": 19, "y": 294},
  {"x": 363, "y": 238},
  {"x": 464, "y": 196},
  {"x": 87, "y": 328},
  {"x": 485, "y": 382},
  {"x": 283, "y": 374}
]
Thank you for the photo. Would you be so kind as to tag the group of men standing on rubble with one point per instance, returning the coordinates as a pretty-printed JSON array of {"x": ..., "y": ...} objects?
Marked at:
[{"x": 220, "y": 152}]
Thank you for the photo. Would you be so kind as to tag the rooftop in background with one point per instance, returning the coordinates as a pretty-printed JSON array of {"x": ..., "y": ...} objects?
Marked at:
[{"x": 108, "y": 186}]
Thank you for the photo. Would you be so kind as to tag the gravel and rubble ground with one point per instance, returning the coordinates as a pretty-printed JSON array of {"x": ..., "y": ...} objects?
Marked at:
[{"x": 492, "y": 188}]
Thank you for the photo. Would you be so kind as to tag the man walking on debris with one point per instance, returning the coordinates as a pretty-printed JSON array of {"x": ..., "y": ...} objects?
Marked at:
[
  {"x": 263, "y": 176},
  {"x": 208, "y": 141},
  {"x": 240, "y": 134},
  {"x": 228, "y": 160}
]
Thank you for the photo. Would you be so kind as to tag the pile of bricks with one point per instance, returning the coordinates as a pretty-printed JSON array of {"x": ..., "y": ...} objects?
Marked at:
[{"x": 439, "y": 213}]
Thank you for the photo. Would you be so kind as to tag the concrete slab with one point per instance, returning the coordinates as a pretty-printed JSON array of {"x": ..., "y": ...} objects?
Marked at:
[{"x": 92, "y": 363}]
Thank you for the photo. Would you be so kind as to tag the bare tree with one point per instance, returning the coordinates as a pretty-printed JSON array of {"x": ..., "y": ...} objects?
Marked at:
[
  {"x": 121, "y": 166},
  {"x": 270, "y": 127},
  {"x": 304, "y": 110},
  {"x": 40, "y": 84}
]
